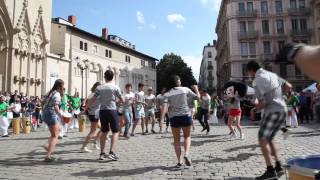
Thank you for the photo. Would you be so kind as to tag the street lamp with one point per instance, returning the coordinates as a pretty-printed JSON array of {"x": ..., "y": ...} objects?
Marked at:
[{"x": 82, "y": 65}]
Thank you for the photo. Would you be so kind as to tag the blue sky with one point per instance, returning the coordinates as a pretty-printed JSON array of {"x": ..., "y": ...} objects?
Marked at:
[{"x": 156, "y": 27}]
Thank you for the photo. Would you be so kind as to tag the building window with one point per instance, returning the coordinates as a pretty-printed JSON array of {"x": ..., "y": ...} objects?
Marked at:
[
  {"x": 278, "y": 6},
  {"x": 294, "y": 24},
  {"x": 244, "y": 50},
  {"x": 283, "y": 70},
  {"x": 266, "y": 47},
  {"x": 250, "y": 7},
  {"x": 264, "y": 7},
  {"x": 251, "y": 27},
  {"x": 85, "y": 46},
  {"x": 153, "y": 65},
  {"x": 244, "y": 71},
  {"x": 110, "y": 54},
  {"x": 265, "y": 27},
  {"x": 302, "y": 4},
  {"x": 81, "y": 45},
  {"x": 303, "y": 25},
  {"x": 143, "y": 63},
  {"x": 243, "y": 27},
  {"x": 297, "y": 71},
  {"x": 241, "y": 7},
  {"x": 95, "y": 49},
  {"x": 128, "y": 59},
  {"x": 252, "y": 49},
  {"x": 280, "y": 26},
  {"x": 293, "y": 4},
  {"x": 281, "y": 44},
  {"x": 209, "y": 54},
  {"x": 209, "y": 63},
  {"x": 107, "y": 53}
]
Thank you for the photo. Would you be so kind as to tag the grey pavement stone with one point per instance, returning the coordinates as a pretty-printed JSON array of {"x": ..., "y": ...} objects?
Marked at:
[{"x": 214, "y": 156}]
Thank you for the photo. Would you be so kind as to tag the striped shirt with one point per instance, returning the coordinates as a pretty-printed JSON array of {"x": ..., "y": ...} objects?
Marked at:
[{"x": 177, "y": 100}]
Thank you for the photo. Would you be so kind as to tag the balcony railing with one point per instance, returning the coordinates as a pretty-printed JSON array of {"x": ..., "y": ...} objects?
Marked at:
[
  {"x": 268, "y": 57},
  {"x": 210, "y": 67},
  {"x": 301, "y": 32},
  {"x": 248, "y": 35},
  {"x": 247, "y": 13},
  {"x": 299, "y": 11}
]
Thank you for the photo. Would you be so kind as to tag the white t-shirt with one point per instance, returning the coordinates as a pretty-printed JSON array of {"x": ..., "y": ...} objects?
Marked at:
[{"x": 150, "y": 101}]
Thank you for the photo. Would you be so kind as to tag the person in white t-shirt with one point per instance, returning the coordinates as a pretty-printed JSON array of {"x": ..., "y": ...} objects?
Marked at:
[
  {"x": 127, "y": 109},
  {"x": 150, "y": 109}
]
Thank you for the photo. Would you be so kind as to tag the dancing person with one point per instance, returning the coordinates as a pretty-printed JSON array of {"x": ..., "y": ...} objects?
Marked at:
[
  {"x": 205, "y": 101},
  {"x": 303, "y": 108},
  {"x": 127, "y": 109},
  {"x": 121, "y": 116},
  {"x": 38, "y": 111},
  {"x": 93, "y": 113},
  {"x": 150, "y": 101},
  {"x": 180, "y": 118},
  {"x": 75, "y": 108},
  {"x": 213, "y": 110},
  {"x": 51, "y": 114},
  {"x": 108, "y": 94},
  {"x": 160, "y": 101},
  {"x": 4, "y": 123},
  {"x": 268, "y": 89},
  {"x": 316, "y": 102},
  {"x": 139, "y": 110}
]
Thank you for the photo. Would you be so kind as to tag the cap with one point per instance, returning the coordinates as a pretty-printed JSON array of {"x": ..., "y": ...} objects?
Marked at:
[{"x": 150, "y": 89}]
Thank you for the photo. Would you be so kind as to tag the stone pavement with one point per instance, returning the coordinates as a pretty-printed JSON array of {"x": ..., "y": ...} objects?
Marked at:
[{"x": 150, "y": 157}]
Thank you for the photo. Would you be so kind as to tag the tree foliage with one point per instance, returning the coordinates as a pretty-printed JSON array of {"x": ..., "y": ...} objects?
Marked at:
[{"x": 172, "y": 64}]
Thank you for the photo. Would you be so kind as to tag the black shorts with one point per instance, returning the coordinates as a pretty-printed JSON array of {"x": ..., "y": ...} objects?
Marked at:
[
  {"x": 181, "y": 121},
  {"x": 271, "y": 124},
  {"x": 109, "y": 120},
  {"x": 93, "y": 118}
]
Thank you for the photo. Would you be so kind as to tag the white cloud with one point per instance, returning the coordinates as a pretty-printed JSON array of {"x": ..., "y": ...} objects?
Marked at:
[
  {"x": 177, "y": 19},
  {"x": 194, "y": 62},
  {"x": 153, "y": 26},
  {"x": 211, "y": 4},
  {"x": 140, "y": 17}
]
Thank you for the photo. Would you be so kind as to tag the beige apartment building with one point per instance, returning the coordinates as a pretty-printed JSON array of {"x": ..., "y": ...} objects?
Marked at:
[
  {"x": 83, "y": 57},
  {"x": 208, "y": 68},
  {"x": 35, "y": 50},
  {"x": 256, "y": 30}
]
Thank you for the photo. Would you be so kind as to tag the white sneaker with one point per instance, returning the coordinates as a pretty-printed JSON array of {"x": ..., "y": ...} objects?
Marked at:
[
  {"x": 233, "y": 136},
  {"x": 85, "y": 150},
  {"x": 242, "y": 136}
]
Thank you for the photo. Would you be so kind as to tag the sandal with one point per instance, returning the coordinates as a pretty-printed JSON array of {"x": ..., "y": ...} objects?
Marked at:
[
  {"x": 51, "y": 159},
  {"x": 187, "y": 161},
  {"x": 178, "y": 165}
]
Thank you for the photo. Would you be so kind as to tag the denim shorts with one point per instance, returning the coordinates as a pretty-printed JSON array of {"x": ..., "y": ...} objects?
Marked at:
[
  {"x": 50, "y": 117},
  {"x": 139, "y": 113},
  {"x": 149, "y": 113}
]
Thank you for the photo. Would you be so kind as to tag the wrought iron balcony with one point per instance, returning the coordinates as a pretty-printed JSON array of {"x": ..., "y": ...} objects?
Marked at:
[
  {"x": 248, "y": 35},
  {"x": 301, "y": 32},
  {"x": 247, "y": 13},
  {"x": 299, "y": 11}
]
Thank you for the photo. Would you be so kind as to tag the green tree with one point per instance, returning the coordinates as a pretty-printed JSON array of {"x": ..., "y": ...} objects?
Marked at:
[{"x": 172, "y": 64}]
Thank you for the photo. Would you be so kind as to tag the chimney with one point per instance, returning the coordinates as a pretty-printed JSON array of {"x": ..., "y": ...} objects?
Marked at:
[
  {"x": 105, "y": 33},
  {"x": 72, "y": 19},
  {"x": 214, "y": 42}
]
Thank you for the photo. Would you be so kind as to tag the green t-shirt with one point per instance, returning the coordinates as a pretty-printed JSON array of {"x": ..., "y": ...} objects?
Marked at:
[
  {"x": 64, "y": 102},
  {"x": 3, "y": 106},
  {"x": 75, "y": 103},
  {"x": 293, "y": 101},
  {"x": 213, "y": 104}
]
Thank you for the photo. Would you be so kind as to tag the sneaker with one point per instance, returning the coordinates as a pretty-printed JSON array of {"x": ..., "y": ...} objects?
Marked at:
[
  {"x": 4, "y": 136},
  {"x": 233, "y": 135},
  {"x": 203, "y": 129},
  {"x": 113, "y": 157},
  {"x": 178, "y": 166},
  {"x": 144, "y": 133},
  {"x": 268, "y": 175},
  {"x": 242, "y": 136},
  {"x": 85, "y": 150},
  {"x": 279, "y": 170},
  {"x": 167, "y": 130},
  {"x": 153, "y": 132},
  {"x": 126, "y": 136},
  {"x": 49, "y": 159},
  {"x": 131, "y": 134},
  {"x": 60, "y": 137},
  {"x": 187, "y": 161},
  {"x": 65, "y": 136},
  {"x": 102, "y": 156}
]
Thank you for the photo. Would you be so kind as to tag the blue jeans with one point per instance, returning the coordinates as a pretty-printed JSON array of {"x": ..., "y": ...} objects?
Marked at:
[{"x": 128, "y": 117}]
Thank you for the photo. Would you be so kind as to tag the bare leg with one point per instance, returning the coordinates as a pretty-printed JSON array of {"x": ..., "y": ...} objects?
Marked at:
[
  {"x": 114, "y": 141},
  {"x": 153, "y": 122},
  {"x": 146, "y": 120},
  {"x": 230, "y": 121},
  {"x": 238, "y": 119},
  {"x": 187, "y": 140},
  {"x": 176, "y": 142},
  {"x": 53, "y": 140},
  {"x": 135, "y": 123},
  {"x": 265, "y": 151},
  {"x": 274, "y": 151},
  {"x": 103, "y": 141},
  {"x": 142, "y": 124},
  {"x": 91, "y": 134}
]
